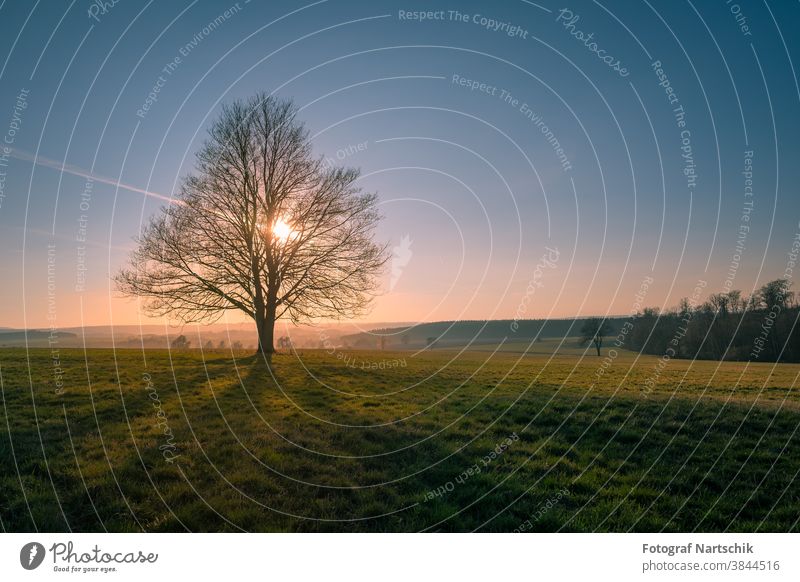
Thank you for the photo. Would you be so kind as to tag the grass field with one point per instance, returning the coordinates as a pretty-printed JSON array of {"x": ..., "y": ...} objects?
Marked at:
[{"x": 379, "y": 441}]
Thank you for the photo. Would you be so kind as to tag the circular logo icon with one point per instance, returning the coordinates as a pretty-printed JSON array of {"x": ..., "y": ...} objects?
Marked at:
[{"x": 31, "y": 555}]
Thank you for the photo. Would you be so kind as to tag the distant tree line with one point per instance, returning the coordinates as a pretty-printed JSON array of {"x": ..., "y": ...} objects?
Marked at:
[{"x": 730, "y": 326}]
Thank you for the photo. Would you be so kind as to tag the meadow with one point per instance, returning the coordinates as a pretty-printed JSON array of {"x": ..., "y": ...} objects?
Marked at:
[{"x": 441, "y": 440}]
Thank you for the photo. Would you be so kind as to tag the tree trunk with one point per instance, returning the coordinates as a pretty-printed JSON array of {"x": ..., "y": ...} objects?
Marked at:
[
  {"x": 266, "y": 328},
  {"x": 266, "y": 335},
  {"x": 597, "y": 345},
  {"x": 265, "y": 318}
]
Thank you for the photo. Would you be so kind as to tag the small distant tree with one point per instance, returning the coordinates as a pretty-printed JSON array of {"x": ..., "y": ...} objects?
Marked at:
[
  {"x": 208, "y": 346},
  {"x": 720, "y": 303},
  {"x": 593, "y": 331},
  {"x": 430, "y": 342},
  {"x": 237, "y": 345},
  {"x": 221, "y": 345},
  {"x": 180, "y": 343}
]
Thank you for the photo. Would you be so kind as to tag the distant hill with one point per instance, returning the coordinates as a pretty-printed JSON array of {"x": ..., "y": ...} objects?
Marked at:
[
  {"x": 19, "y": 337},
  {"x": 458, "y": 333}
]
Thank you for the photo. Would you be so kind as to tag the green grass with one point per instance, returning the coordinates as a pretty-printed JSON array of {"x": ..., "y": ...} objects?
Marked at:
[{"x": 327, "y": 447}]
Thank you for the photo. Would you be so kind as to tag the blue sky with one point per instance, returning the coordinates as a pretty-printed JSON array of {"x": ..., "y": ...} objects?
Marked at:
[{"x": 470, "y": 175}]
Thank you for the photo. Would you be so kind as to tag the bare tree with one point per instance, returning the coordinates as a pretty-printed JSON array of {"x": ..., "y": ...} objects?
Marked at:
[
  {"x": 181, "y": 343},
  {"x": 594, "y": 330},
  {"x": 263, "y": 227},
  {"x": 719, "y": 303}
]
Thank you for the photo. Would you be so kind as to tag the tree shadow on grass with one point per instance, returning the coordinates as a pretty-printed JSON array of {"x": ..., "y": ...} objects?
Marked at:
[{"x": 259, "y": 462}]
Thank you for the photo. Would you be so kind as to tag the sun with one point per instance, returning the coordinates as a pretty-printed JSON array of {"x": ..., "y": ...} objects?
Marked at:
[{"x": 282, "y": 230}]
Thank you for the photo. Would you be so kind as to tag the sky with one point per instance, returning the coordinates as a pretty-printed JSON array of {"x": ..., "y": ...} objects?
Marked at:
[{"x": 531, "y": 159}]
